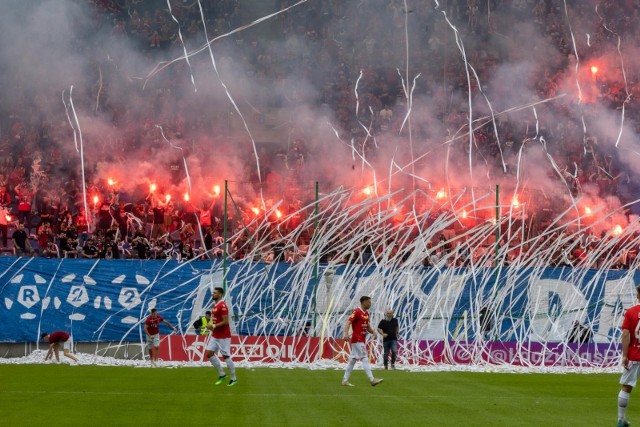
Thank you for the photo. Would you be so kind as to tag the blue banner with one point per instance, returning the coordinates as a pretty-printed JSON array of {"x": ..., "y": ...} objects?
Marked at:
[{"x": 108, "y": 300}]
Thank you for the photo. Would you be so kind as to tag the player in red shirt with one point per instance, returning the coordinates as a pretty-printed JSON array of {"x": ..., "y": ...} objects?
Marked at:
[
  {"x": 220, "y": 339},
  {"x": 359, "y": 323},
  {"x": 55, "y": 339},
  {"x": 152, "y": 329},
  {"x": 630, "y": 359}
]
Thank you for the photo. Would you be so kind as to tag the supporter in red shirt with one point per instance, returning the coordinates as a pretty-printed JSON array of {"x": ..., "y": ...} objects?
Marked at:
[
  {"x": 152, "y": 329},
  {"x": 55, "y": 340}
]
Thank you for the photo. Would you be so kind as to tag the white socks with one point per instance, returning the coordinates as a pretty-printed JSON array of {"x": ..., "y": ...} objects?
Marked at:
[
  {"x": 347, "y": 372},
  {"x": 367, "y": 368},
  {"x": 216, "y": 364},
  {"x": 623, "y": 401},
  {"x": 352, "y": 362},
  {"x": 232, "y": 368}
]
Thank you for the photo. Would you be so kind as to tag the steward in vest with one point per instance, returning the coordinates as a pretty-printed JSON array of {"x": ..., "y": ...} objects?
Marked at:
[{"x": 201, "y": 324}]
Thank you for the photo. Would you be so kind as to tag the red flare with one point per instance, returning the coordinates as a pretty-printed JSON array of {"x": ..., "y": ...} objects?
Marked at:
[{"x": 617, "y": 230}]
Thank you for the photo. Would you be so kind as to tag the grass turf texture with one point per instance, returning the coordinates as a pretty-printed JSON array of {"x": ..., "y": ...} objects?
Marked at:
[{"x": 33, "y": 395}]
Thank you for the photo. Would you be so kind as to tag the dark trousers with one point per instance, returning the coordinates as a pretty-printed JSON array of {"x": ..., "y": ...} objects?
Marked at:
[
  {"x": 3, "y": 231},
  {"x": 142, "y": 250},
  {"x": 390, "y": 346},
  {"x": 25, "y": 218}
]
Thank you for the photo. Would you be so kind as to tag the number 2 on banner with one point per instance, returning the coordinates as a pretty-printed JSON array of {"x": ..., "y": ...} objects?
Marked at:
[
  {"x": 77, "y": 296},
  {"x": 130, "y": 295},
  {"x": 129, "y": 298}
]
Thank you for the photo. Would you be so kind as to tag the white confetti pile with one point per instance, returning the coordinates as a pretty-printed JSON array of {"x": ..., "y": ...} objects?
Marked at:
[{"x": 37, "y": 357}]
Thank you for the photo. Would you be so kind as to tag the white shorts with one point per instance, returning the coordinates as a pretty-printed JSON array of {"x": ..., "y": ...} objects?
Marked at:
[
  {"x": 222, "y": 345},
  {"x": 65, "y": 345},
  {"x": 630, "y": 376},
  {"x": 153, "y": 341},
  {"x": 358, "y": 351}
]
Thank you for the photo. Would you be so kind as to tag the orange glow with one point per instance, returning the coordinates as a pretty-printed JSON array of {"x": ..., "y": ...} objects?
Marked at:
[
  {"x": 515, "y": 202},
  {"x": 617, "y": 230},
  {"x": 216, "y": 190},
  {"x": 95, "y": 200},
  {"x": 255, "y": 210},
  {"x": 587, "y": 210},
  {"x": 167, "y": 197},
  {"x": 278, "y": 214},
  {"x": 111, "y": 182},
  {"x": 441, "y": 194},
  {"x": 368, "y": 191},
  {"x": 464, "y": 214},
  {"x": 153, "y": 187},
  {"x": 7, "y": 217},
  {"x": 594, "y": 69},
  {"x": 186, "y": 197},
  {"x": 397, "y": 214}
]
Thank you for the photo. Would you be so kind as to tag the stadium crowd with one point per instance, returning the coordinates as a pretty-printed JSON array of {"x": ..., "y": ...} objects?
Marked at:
[{"x": 42, "y": 187}]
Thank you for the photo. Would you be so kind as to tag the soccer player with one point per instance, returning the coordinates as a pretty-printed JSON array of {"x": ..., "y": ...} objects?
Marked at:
[
  {"x": 630, "y": 359},
  {"x": 152, "y": 329},
  {"x": 55, "y": 339},
  {"x": 220, "y": 339},
  {"x": 359, "y": 323}
]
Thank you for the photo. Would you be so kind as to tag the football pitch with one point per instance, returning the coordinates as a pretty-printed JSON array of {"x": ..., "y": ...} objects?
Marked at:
[{"x": 36, "y": 395}]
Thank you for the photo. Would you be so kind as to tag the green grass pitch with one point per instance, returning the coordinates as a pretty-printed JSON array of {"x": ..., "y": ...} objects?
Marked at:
[{"x": 57, "y": 395}]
